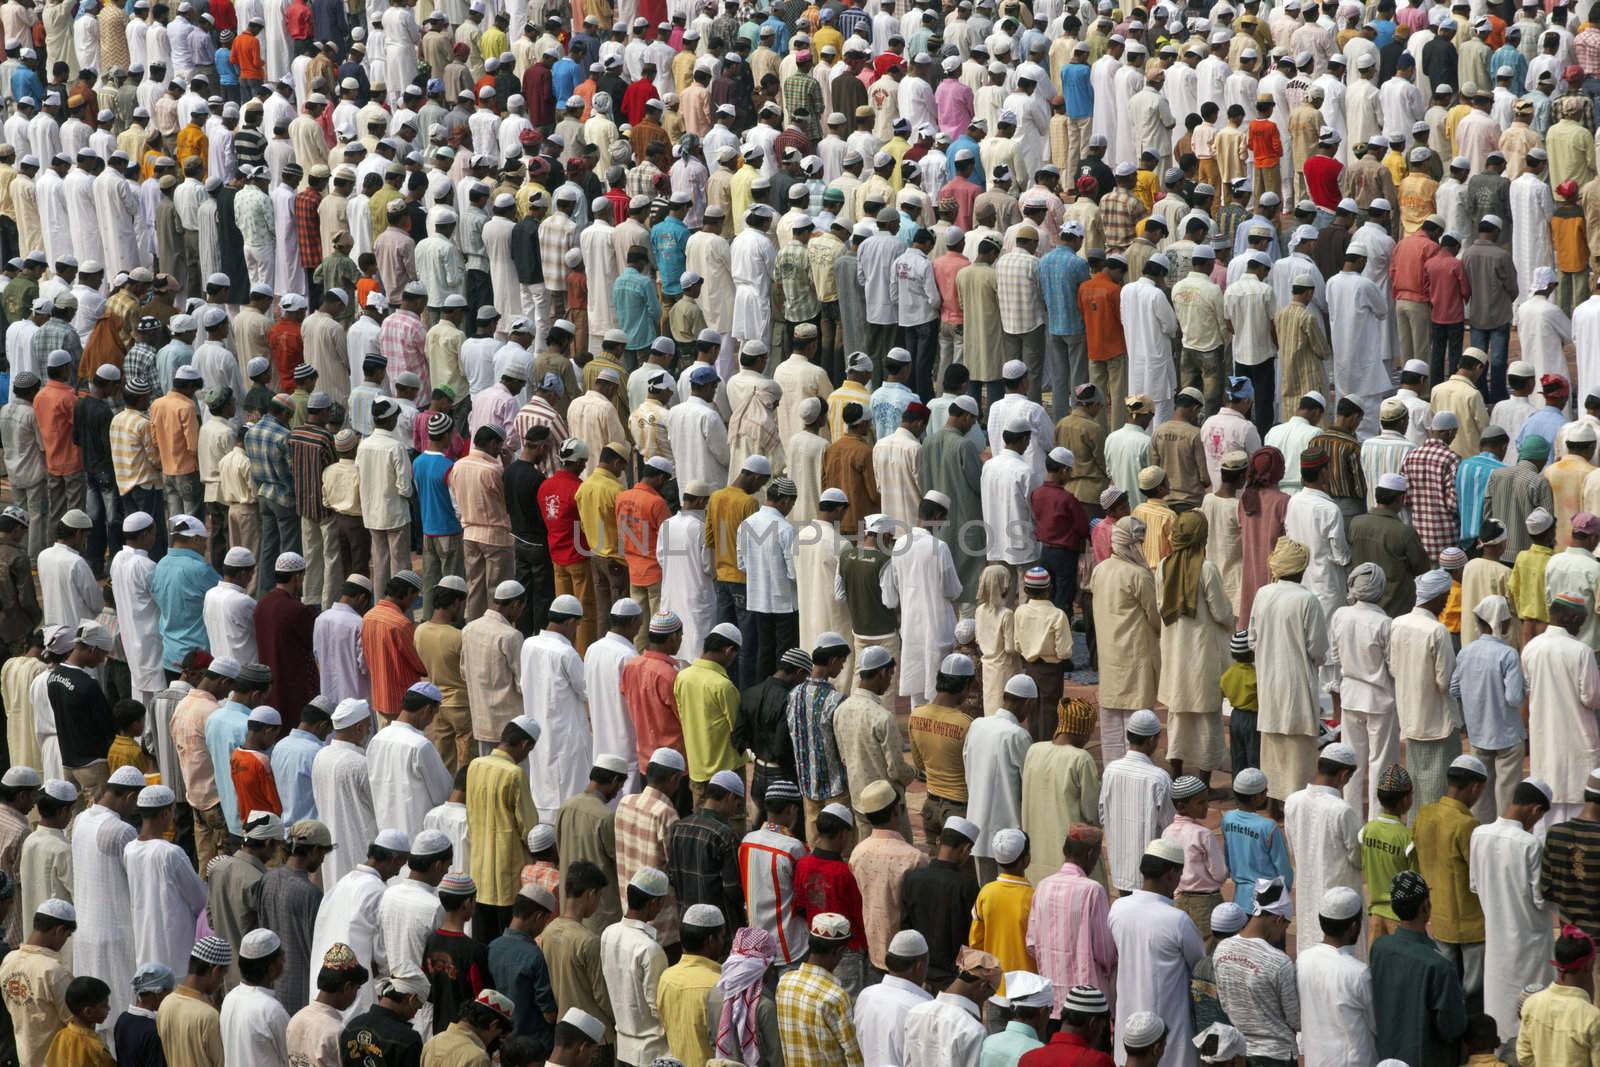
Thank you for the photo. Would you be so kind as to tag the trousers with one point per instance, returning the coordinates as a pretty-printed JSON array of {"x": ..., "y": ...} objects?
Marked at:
[
  {"x": 312, "y": 544},
  {"x": 487, "y": 566},
  {"x": 1110, "y": 376},
  {"x": 391, "y": 553},
  {"x": 280, "y": 532},
  {"x": 1414, "y": 322},
  {"x": 441, "y": 555},
  {"x": 1067, "y": 358},
  {"x": 1376, "y": 739},
  {"x": 1505, "y": 771},
  {"x": 1028, "y": 347},
  {"x": 1202, "y": 368}
]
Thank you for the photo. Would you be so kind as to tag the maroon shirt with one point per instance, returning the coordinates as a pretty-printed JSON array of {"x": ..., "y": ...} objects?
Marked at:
[
  {"x": 1059, "y": 521},
  {"x": 283, "y": 641},
  {"x": 538, "y": 92}
]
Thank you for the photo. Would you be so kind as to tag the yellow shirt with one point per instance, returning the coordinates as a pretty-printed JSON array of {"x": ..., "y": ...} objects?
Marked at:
[
  {"x": 78, "y": 1046},
  {"x": 681, "y": 1003},
  {"x": 938, "y": 738},
  {"x": 125, "y": 752},
  {"x": 1442, "y": 833},
  {"x": 726, "y": 509},
  {"x": 1527, "y": 583},
  {"x": 1559, "y": 1028},
  {"x": 1000, "y": 922},
  {"x": 708, "y": 703},
  {"x": 597, "y": 512},
  {"x": 500, "y": 813}
]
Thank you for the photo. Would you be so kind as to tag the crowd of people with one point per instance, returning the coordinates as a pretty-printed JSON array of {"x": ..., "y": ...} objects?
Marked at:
[{"x": 847, "y": 534}]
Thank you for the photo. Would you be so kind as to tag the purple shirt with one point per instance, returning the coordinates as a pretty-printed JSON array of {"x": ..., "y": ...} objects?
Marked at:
[{"x": 954, "y": 103}]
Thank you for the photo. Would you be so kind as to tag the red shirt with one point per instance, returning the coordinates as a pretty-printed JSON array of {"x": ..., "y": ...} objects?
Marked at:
[
  {"x": 619, "y": 205},
  {"x": 823, "y": 882},
  {"x": 297, "y": 19},
  {"x": 636, "y": 97},
  {"x": 1322, "y": 181},
  {"x": 1059, "y": 521},
  {"x": 1448, "y": 289},
  {"x": 964, "y": 192},
  {"x": 283, "y": 341},
  {"x": 1266, "y": 144},
  {"x": 558, "y": 502},
  {"x": 1406, "y": 273},
  {"x": 253, "y": 784},
  {"x": 223, "y": 16},
  {"x": 391, "y": 651},
  {"x": 1065, "y": 1050}
]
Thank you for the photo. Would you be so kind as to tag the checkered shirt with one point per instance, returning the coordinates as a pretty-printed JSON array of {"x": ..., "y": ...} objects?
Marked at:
[
  {"x": 793, "y": 273},
  {"x": 140, "y": 362},
  {"x": 1120, "y": 212},
  {"x": 1431, "y": 470},
  {"x": 815, "y": 1023},
  {"x": 643, "y": 826},
  {"x": 402, "y": 340},
  {"x": 267, "y": 445},
  {"x": 1017, "y": 286},
  {"x": 308, "y": 227}
]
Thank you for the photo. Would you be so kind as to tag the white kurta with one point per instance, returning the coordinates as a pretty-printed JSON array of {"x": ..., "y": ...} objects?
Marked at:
[
  {"x": 995, "y": 748},
  {"x": 553, "y": 693},
  {"x": 1360, "y": 339},
  {"x": 254, "y": 1025},
  {"x": 1150, "y": 326},
  {"x": 68, "y": 593},
  {"x": 751, "y": 259},
  {"x": 77, "y": 190},
  {"x": 1290, "y": 636},
  {"x": 343, "y": 794},
  {"x": 101, "y": 946},
  {"x": 1564, "y": 693},
  {"x": 408, "y": 779},
  {"x": 139, "y": 618},
  {"x": 686, "y": 585},
  {"x": 44, "y": 727},
  {"x": 1586, "y": 339},
  {"x": 408, "y": 912},
  {"x": 608, "y": 716},
  {"x": 349, "y": 916},
  {"x": 1532, "y": 206},
  {"x": 1315, "y": 521},
  {"x": 1338, "y": 1023},
  {"x": 1503, "y": 867},
  {"x": 1544, "y": 330},
  {"x": 1135, "y": 808},
  {"x": 167, "y": 898},
  {"x": 817, "y": 545},
  {"x": 894, "y": 465},
  {"x": 1004, "y": 486},
  {"x": 230, "y": 618},
  {"x": 1157, "y": 949},
  {"x": 922, "y": 581},
  {"x": 1324, "y": 834},
  {"x": 600, "y": 264}
]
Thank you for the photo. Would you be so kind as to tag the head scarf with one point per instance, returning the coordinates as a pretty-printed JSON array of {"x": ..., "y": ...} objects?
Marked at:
[
  {"x": 1494, "y": 612},
  {"x": 1288, "y": 557},
  {"x": 1265, "y": 472},
  {"x": 1180, "y": 571},
  {"x": 1366, "y": 583},
  {"x": 994, "y": 587},
  {"x": 1127, "y": 541},
  {"x": 742, "y": 974}
]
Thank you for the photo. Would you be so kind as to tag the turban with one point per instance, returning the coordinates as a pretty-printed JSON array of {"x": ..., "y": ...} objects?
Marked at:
[
  {"x": 1366, "y": 583},
  {"x": 1534, "y": 447},
  {"x": 1180, "y": 577},
  {"x": 1127, "y": 541},
  {"x": 1074, "y": 716},
  {"x": 1434, "y": 583},
  {"x": 1264, "y": 472},
  {"x": 742, "y": 974},
  {"x": 1494, "y": 612},
  {"x": 1288, "y": 557}
]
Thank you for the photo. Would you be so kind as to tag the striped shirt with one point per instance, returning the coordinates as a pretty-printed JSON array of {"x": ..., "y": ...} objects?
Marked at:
[
  {"x": 310, "y": 453},
  {"x": 1570, "y": 877},
  {"x": 134, "y": 459},
  {"x": 403, "y": 342},
  {"x": 816, "y": 754},
  {"x": 267, "y": 445},
  {"x": 767, "y": 859}
]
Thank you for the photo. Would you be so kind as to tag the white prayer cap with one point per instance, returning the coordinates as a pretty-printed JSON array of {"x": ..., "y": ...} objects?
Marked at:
[
  {"x": 77, "y": 519},
  {"x": 670, "y": 758},
  {"x": 224, "y": 667},
  {"x": 757, "y": 464},
  {"x": 350, "y": 711},
  {"x": 1471, "y": 765},
  {"x": 528, "y": 725},
  {"x": 1341, "y": 753},
  {"x": 594, "y": 1028},
  {"x": 934, "y": 496},
  {"x": 875, "y": 657},
  {"x": 1228, "y": 918},
  {"x": 565, "y": 607},
  {"x": 707, "y": 916},
  {"x": 510, "y": 589},
  {"x": 1020, "y": 685},
  {"x": 730, "y": 781},
  {"x": 1542, "y": 786},
  {"x": 627, "y": 608},
  {"x": 1142, "y": 1029},
  {"x": 1340, "y": 903},
  {"x": 138, "y": 522},
  {"x": 1448, "y": 420},
  {"x": 1018, "y": 424},
  {"x": 1013, "y": 369},
  {"x": 393, "y": 840},
  {"x": 651, "y": 882},
  {"x": 1143, "y": 723},
  {"x": 432, "y": 843},
  {"x": 832, "y": 495},
  {"x": 239, "y": 556},
  {"x": 728, "y": 632},
  {"x": 613, "y": 764},
  {"x": 259, "y": 944},
  {"x": 957, "y": 665},
  {"x": 1252, "y": 781},
  {"x": 20, "y": 777},
  {"x": 61, "y": 791},
  {"x": 265, "y": 716},
  {"x": 406, "y": 983},
  {"x": 1543, "y": 278},
  {"x": 57, "y": 909},
  {"x": 157, "y": 796},
  {"x": 963, "y": 826},
  {"x": 1538, "y": 521},
  {"x": 1393, "y": 481},
  {"x": 909, "y": 943},
  {"x": 1008, "y": 845}
]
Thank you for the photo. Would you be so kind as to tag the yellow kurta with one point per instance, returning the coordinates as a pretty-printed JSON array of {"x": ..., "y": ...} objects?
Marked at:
[
  {"x": 1000, "y": 922},
  {"x": 681, "y": 1003},
  {"x": 1127, "y": 625},
  {"x": 500, "y": 813}
]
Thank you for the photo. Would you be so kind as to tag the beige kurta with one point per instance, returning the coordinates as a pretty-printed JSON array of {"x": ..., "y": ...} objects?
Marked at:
[
  {"x": 804, "y": 451},
  {"x": 1223, "y": 547},
  {"x": 16, "y": 677},
  {"x": 1127, "y": 622},
  {"x": 1194, "y": 653},
  {"x": 1304, "y": 350},
  {"x": 895, "y": 465},
  {"x": 1481, "y": 578},
  {"x": 997, "y": 637},
  {"x": 816, "y": 555},
  {"x": 976, "y": 288},
  {"x": 1060, "y": 788}
]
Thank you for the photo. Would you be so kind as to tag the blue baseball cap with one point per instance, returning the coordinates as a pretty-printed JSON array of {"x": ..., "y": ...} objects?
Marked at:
[{"x": 1240, "y": 388}]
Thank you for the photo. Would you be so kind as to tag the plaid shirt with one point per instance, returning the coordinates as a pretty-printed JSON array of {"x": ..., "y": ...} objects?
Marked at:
[
  {"x": 308, "y": 227},
  {"x": 1017, "y": 286},
  {"x": 793, "y": 273},
  {"x": 54, "y": 334},
  {"x": 802, "y": 90},
  {"x": 267, "y": 445},
  {"x": 402, "y": 341},
  {"x": 140, "y": 362},
  {"x": 1431, "y": 470},
  {"x": 1061, "y": 271},
  {"x": 1586, "y": 51},
  {"x": 310, "y": 453},
  {"x": 558, "y": 233},
  {"x": 643, "y": 827},
  {"x": 1120, "y": 212},
  {"x": 703, "y": 861},
  {"x": 815, "y": 1022},
  {"x": 816, "y": 753},
  {"x": 643, "y": 179}
]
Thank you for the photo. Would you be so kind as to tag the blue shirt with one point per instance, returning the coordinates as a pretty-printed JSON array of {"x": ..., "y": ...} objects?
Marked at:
[
  {"x": 431, "y": 470},
  {"x": 1507, "y": 55},
  {"x": 227, "y": 73},
  {"x": 1241, "y": 237},
  {"x": 1489, "y": 684},
  {"x": 667, "y": 240},
  {"x": 225, "y": 730},
  {"x": 638, "y": 308},
  {"x": 1385, "y": 28},
  {"x": 977, "y": 177},
  {"x": 887, "y": 405},
  {"x": 173, "y": 354},
  {"x": 1008, "y": 1046},
  {"x": 780, "y": 33},
  {"x": 1077, "y": 91},
  {"x": 564, "y": 78},
  {"x": 291, "y": 770},
  {"x": 1472, "y": 478},
  {"x": 25, "y": 82},
  {"x": 1061, "y": 271},
  {"x": 518, "y": 968},
  {"x": 179, "y": 585},
  {"x": 1255, "y": 848},
  {"x": 1546, "y": 423}
]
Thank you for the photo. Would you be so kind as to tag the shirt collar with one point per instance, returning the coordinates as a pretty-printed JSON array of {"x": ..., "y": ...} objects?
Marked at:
[{"x": 961, "y": 1002}]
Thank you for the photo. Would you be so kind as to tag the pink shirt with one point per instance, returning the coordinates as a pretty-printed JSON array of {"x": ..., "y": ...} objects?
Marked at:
[
  {"x": 945, "y": 269},
  {"x": 1069, "y": 935},
  {"x": 1204, "y": 865},
  {"x": 1448, "y": 289},
  {"x": 954, "y": 103}
]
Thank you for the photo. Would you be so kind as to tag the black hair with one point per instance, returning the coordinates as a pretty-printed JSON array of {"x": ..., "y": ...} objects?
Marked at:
[
  {"x": 950, "y": 683},
  {"x": 638, "y": 899},
  {"x": 1482, "y": 1034},
  {"x": 1388, "y": 798},
  {"x": 1528, "y": 793},
  {"x": 949, "y": 838},
  {"x": 526, "y": 907},
  {"x": 334, "y": 980},
  {"x": 398, "y": 587},
  {"x": 1331, "y": 767},
  {"x": 1386, "y": 497},
  {"x": 124, "y": 713},
  {"x": 566, "y": 1034},
  {"x": 829, "y": 824},
  {"x": 254, "y": 972},
  {"x": 1339, "y": 927},
  {"x": 581, "y": 877},
  {"x": 716, "y": 643},
  {"x": 882, "y": 817},
  {"x": 1410, "y": 908},
  {"x": 86, "y": 991},
  {"x": 1152, "y": 867},
  {"x": 512, "y": 734},
  {"x": 1461, "y": 778},
  {"x": 695, "y": 938}
]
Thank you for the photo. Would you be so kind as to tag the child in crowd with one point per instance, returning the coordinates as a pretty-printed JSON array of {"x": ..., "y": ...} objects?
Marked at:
[
  {"x": 1204, "y": 865},
  {"x": 545, "y": 869},
  {"x": 127, "y": 717},
  {"x": 1252, "y": 842},
  {"x": 1386, "y": 849},
  {"x": 1239, "y": 688},
  {"x": 77, "y": 1044},
  {"x": 823, "y": 882}
]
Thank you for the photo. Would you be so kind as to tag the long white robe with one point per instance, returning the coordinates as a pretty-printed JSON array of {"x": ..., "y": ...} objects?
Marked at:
[
  {"x": 139, "y": 618},
  {"x": 349, "y": 916},
  {"x": 1324, "y": 834},
  {"x": 1532, "y": 206},
  {"x": 343, "y": 793},
  {"x": 275, "y": 53},
  {"x": 254, "y": 1025},
  {"x": 708, "y": 255},
  {"x": 1360, "y": 338},
  {"x": 77, "y": 189},
  {"x": 121, "y": 222},
  {"x": 408, "y": 912},
  {"x": 1338, "y": 1023},
  {"x": 44, "y": 727},
  {"x": 53, "y": 215},
  {"x": 922, "y": 581},
  {"x": 408, "y": 779},
  {"x": 1102, "y": 76},
  {"x": 167, "y": 898},
  {"x": 1563, "y": 695},
  {"x": 1503, "y": 867},
  {"x": 1157, "y": 949},
  {"x": 288, "y": 275},
  {"x": 1586, "y": 339},
  {"x": 894, "y": 465},
  {"x": 1151, "y": 327},
  {"x": 553, "y": 692},
  {"x": 1544, "y": 330},
  {"x": 751, "y": 259},
  {"x": 601, "y": 266},
  {"x": 1315, "y": 521},
  {"x": 1290, "y": 636},
  {"x": 1125, "y": 145},
  {"x": 101, "y": 946},
  {"x": 995, "y": 748},
  {"x": 699, "y": 441},
  {"x": 686, "y": 584},
  {"x": 497, "y": 234},
  {"x": 817, "y": 545},
  {"x": 608, "y": 716}
]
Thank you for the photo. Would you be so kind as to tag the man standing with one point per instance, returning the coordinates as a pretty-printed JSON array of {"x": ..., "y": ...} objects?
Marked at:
[
  {"x": 1337, "y": 1016},
  {"x": 1157, "y": 948},
  {"x": 1324, "y": 833},
  {"x": 1505, "y": 868},
  {"x": 1421, "y": 1009},
  {"x": 1290, "y": 636}
]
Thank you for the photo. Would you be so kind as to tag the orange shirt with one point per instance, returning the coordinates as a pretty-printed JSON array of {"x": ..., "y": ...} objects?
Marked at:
[
  {"x": 386, "y": 638},
  {"x": 1571, "y": 243},
  {"x": 640, "y": 513},
  {"x": 247, "y": 57},
  {"x": 53, "y": 409},
  {"x": 175, "y": 425},
  {"x": 253, "y": 784},
  {"x": 1100, "y": 303},
  {"x": 364, "y": 286},
  {"x": 1265, "y": 143}
]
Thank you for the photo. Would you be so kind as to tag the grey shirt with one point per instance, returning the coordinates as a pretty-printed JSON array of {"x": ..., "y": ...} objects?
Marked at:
[
  {"x": 1494, "y": 284},
  {"x": 767, "y": 1042}
]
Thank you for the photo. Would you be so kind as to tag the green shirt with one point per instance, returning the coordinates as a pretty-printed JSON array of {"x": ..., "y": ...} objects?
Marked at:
[
  {"x": 1008, "y": 1046},
  {"x": 860, "y": 568},
  {"x": 1386, "y": 850},
  {"x": 1380, "y": 537},
  {"x": 1417, "y": 998},
  {"x": 1239, "y": 686}
]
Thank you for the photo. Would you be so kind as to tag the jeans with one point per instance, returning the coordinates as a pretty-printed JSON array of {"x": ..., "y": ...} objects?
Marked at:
[
  {"x": 776, "y": 633},
  {"x": 1028, "y": 347},
  {"x": 881, "y": 336},
  {"x": 280, "y": 532},
  {"x": 105, "y": 511},
  {"x": 1062, "y": 563},
  {"x": 923, "y": 342},
  {"x": 1244, "y": 744},
  {"x": 1446, "y": 354},
  {"x": 731, "y": 608},
  {"x": 1203, "y": 370},
  {"x": 537, "y": 575},
  {"x": 1496, "y": 342},
  {"x": 1264, "y": 377},
  {"x": 185, "y": 495},
  {"x": 1066, "y": 358},
  {"x": 148, "y": 500}
]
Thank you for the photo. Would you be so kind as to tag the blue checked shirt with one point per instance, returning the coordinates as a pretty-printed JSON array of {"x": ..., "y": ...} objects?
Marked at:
[
  {"x": 816, "y": 754},
  {"x": 267, "y": 445},
  {"x": 140, "y": 362},
  {"x": 1060, "y": 273},
  {"x": 1472, "y": 479}
]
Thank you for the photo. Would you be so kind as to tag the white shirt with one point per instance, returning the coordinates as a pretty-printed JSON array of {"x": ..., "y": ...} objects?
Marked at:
[
  {"x": 342, "y": 664},
  {"x": 1043, "y": 429},
  {"x": 992, "y": 757},
  {"x": 255, "y": 1027},
  {"x": 1564, "y": 691},
  {"x": 632, "y": 962},
  {"x": 450, "y": 819},
  {"x": 1358, "y": 647},
  {"x": 1337, "y": 1024},
  {"x": 1422, "y": 662},
  {"x": 230, "y": 618},
  {"x": 349, "y": 915},
  {"x": 943, "y": 1030},
  {"x": 1004, "y": 486},
  {"x": 342, "y": 790},
  {"x": 686, "y": 585},
  {"x": 1503, "y": 867},
  {"x": 765, "y": 552},
  {"x": 880, "y": 1015},
  {"x": 167, "y": 898},
  {"x": 139, "y": 618},
  {"x": 1135, "y": 808},
  {"x": 1157, "y": 948},
  {"x": 699, "y": 442},
  {"x": 922, "y": 581},
  {"x": 408, "y": 912},
  {"x": 553, "y": 692},
  {"x": 1324, "y": 834},
  {"x": 608, "y": 716},
  {"x": 68, "y": 591},
  {"x": 407, "y": 776}
]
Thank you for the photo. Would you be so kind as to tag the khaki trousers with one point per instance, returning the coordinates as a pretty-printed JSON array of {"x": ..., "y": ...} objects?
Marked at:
[
  {"x": 575, "y": 579},
  {"x": 311, "y": 539},
  {"x": 210, "y": 832},
  {"x": 441, "y": 555},
  {"x": 610, "y": 586},
  {"x": 648, "y": 598},
  {"x": 90, "y": 779},
  {"x": 487, "y": 566},
  {"x": 451, "y": 734},
  {"x": 1078, "y": 132},
  {"x": 391, "y": 554},
  {"x": 244, "y": 526},
  {"x": 1414, "y": 322},
  {"x": 1111, "y": 376},
  {"x": 1505, "y": 771}
]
